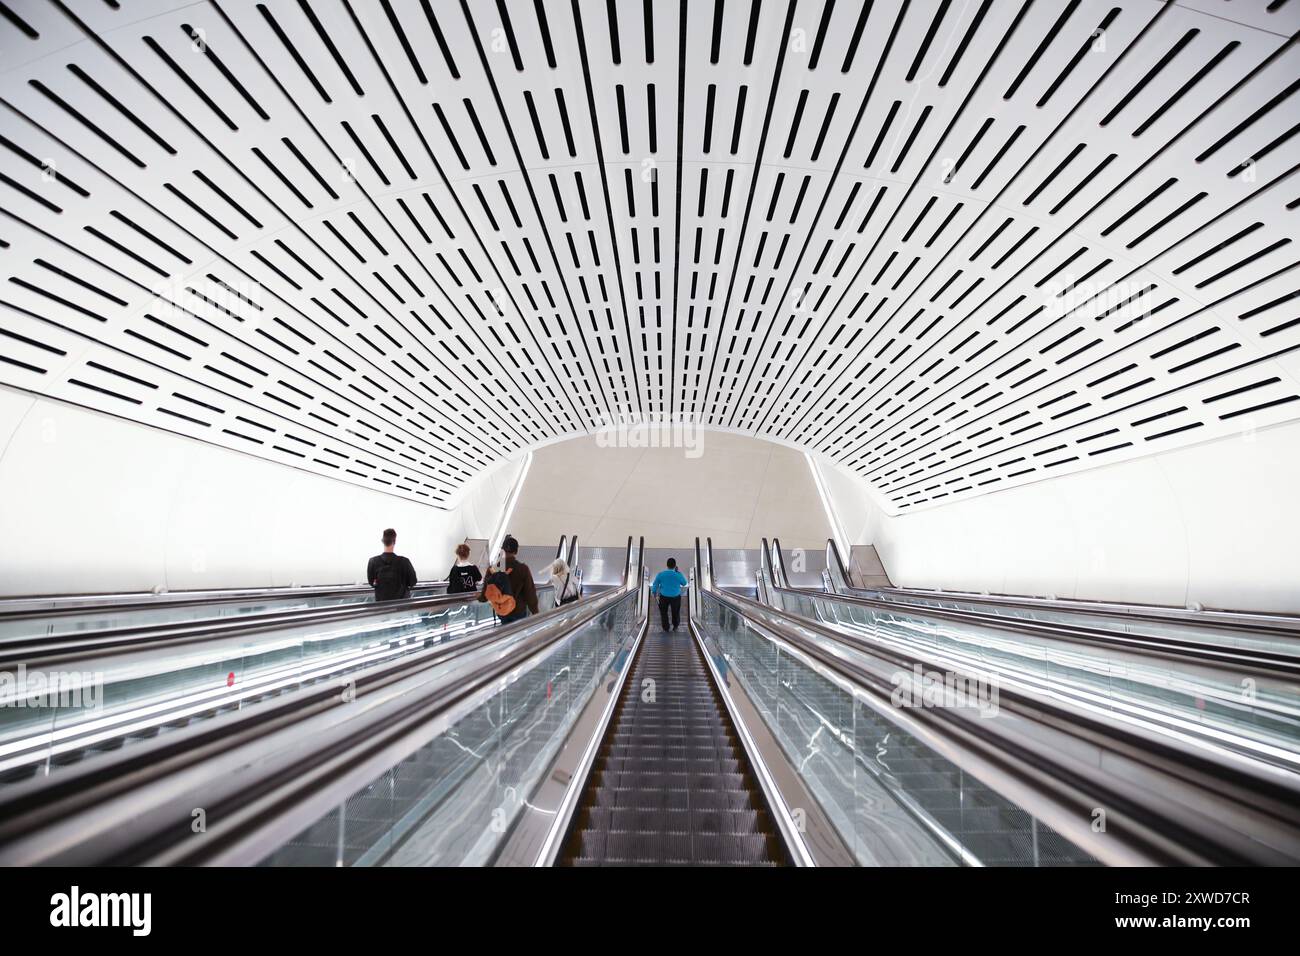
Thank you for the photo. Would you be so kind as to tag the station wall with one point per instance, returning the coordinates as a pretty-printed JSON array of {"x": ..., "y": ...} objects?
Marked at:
[
  {"x": 91, "y": 503},
  {"x": 1215, "y": 524}
]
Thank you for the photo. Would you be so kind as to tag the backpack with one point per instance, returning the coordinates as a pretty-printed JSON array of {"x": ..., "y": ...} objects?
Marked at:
[
  {"x": 390, "y": 582},
  {"x": 499, "y": 593}
]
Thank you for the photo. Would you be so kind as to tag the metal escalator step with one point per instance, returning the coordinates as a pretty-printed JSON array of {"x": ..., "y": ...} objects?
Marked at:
[
  {"x": 629, "y": 846},
  {"x": 645, "y": 780},
  {"x": 684, "y": 767},
  {"x": 693, "y": 820},
  {"x": 589, "y": 844},
  {"x": 670, "y": 783},
  {"x": 734, "y": 849},
  {"x": 736, "y": 822},
  {"x": 747, "y": 799}
]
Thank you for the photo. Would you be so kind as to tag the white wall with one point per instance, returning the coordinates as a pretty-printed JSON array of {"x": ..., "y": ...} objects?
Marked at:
[
  {"x": 737, "y": 490},
  {"x": 92, "y": 503},
  {"x": 1216, "y": 524}
]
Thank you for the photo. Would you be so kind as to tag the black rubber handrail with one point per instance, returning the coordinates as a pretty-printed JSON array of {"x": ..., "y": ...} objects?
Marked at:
[
  {"x": 782, "y": 579},
  {"x": 32, "y": 813},
  {"x": 1169, "y": 832},
  {"x": 833, "y": 552}
]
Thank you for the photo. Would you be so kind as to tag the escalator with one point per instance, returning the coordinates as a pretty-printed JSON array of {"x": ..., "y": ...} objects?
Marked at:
[
  {"x": 910, "y": 780},
  {"x": 751, "y": 737},
  {"x": 21, "y": 620},
  {"x": 68, "y": 693},
  {"x": 26, "y": 618},
  {"x": 121, "y": 687},
  {"x": 1212, "y": 626},
  {"x": 1238, "y": 690},
  {"x": 671, "y": 784}
]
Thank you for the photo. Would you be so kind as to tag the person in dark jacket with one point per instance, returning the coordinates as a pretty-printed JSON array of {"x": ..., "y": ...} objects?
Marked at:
[
  {"x": 521, "y": 583},
  {"x": 464, "y": 575},
  {"x": 391, "y": 575}
]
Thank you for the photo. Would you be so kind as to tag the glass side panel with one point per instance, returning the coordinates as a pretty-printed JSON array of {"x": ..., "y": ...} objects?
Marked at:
[
  {"x": 894, "y": 799},
  {"x": 1254, "y": 713},
  {"x": 453, "y": 800},
  {"x": 23, "y": 627},
  {"x": 50, "y": 717}
]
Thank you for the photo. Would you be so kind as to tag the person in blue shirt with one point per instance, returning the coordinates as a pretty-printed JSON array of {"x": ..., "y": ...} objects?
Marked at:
[{"x": 668, "y": 585}]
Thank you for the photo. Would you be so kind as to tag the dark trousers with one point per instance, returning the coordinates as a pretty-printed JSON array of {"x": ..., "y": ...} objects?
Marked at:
[
  {"x": 670, "y": 602},
  {"x": 519, "y": 614}
]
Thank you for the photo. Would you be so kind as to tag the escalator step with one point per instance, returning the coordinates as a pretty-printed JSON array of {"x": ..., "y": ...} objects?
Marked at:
[
  {"x": 670, "y": 784},
  {"x": 673, "y": 821}
]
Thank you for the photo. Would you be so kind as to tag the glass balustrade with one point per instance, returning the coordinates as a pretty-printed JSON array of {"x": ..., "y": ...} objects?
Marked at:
[
  {"x": 1255, "y": 712},
  {"x": 894, "y": 798},
  {"x": 452, "y": 800}
]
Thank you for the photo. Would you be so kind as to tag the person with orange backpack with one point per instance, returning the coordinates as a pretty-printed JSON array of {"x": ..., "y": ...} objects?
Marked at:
[{"x": 509, "y": 588}]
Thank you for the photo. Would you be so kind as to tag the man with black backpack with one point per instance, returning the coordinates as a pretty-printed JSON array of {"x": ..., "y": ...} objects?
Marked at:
[
  {"x": 391, "y": 575},
  {"x": 510, "y": 588}
]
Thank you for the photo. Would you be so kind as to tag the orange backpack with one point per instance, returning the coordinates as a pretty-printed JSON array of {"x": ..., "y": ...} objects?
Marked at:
[{"x": 499, "y": 593}]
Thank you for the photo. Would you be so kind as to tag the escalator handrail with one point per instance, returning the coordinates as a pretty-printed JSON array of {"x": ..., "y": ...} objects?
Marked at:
[
  {"x": 116, "y": 641},
  {"x": 701, "y": 573},
  {"x": 1169, "y": 648},
  {"x": 1053, "y": 781},
  {"x": 70, "y": 801},
  {"x": 1256, "y": 622},
  {"x": 778, "y": 565},
  {"x": 1275, "y": 625},
  {"x": 833, "y": 553},
  {"x": 91, "y": 655},
  {"x": 439, "y": 654},
  {"x": 252, "y": 596}
]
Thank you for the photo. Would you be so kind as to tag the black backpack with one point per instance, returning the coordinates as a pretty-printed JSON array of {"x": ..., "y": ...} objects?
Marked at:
[{"x": 390, "y": 581}]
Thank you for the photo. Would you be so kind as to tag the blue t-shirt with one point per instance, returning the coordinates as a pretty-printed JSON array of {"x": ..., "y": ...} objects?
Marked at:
[{"x": 669, "y": 583}]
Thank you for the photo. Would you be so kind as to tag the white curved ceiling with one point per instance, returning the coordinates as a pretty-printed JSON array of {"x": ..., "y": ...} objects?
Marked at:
[{"x": 954, "y": 246}]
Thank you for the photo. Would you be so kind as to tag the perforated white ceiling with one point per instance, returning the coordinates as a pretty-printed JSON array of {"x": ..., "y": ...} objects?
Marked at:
[{"x": 954, "y": 245}]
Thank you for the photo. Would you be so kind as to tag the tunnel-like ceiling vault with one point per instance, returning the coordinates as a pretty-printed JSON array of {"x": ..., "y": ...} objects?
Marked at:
[{"x": 953, "y": 245}]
